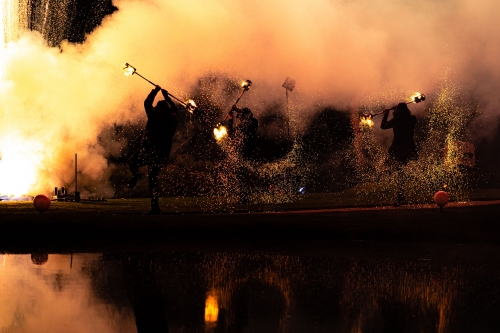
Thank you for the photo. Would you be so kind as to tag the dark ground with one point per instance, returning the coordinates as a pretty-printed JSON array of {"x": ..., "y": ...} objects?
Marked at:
[{"x": 118, "y": 225}]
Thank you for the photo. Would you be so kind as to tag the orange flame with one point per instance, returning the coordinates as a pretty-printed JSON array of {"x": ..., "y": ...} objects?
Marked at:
[
  {"x": 128, "y": 70},
  {"x": 220, "y": 132},
  {"x": 417, "y": 97},
  {"x": 246, "y": 84},
  {"x": 366, "y": 121},
  {"x": 191, "y": 105}
]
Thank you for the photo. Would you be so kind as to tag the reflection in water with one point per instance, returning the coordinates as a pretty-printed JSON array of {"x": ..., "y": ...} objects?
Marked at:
[
  {"x": 371, "y": 301},
  {"x": 231, "y": 292},
  {"x": 54, "y": 297},
  {"x": 211, "y": 308}
]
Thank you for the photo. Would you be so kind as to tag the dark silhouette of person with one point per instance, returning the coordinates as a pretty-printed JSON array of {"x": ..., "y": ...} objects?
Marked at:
[
  {"x": 242, "y": 135},
  {"x": 402, "y": 149},
  {"x": 156, "y": 144}
]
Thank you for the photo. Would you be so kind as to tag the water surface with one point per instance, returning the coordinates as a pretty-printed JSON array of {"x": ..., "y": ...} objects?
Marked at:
[{"x": 241, "y": 292}]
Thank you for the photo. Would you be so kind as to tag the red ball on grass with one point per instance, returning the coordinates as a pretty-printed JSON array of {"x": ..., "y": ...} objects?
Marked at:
[
  {"x": 441, "y": 198},
  {"x": 41, "y": 203}
]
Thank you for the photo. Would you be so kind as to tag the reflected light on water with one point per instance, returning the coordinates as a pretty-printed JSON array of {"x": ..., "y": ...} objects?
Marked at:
[
  {"x": 231, "y": 292},
  {"x": 211, "y": 308}
]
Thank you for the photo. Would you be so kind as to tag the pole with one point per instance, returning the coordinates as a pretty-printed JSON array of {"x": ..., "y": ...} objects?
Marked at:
[
  {"x": 76, "y": 173},
  {"x": 77, "y": 194},
  {"x": 145, "y": 79},
  {"x": 288, "y": 118},
  {"x": 169, "y": 94},
  {"x": 227, "y": 116},
  {"x": 288, "y": 130},
  {"x": 394, "y": 107}
]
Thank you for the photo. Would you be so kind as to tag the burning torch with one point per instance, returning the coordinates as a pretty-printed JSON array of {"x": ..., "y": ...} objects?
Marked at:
[
  {"x": 366, "y": 119},
  {"x": 245, "y": 86},
  {"x": 190, "y": 105},
  {"x": 220, "y": 131}
]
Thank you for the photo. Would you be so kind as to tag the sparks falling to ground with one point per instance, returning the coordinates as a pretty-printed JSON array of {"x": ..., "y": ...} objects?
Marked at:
[
  {"x": 445, "y": 126},
  {"x": 59, "y": 92}
]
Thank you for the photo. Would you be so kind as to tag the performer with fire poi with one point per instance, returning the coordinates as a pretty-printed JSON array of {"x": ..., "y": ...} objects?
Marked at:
[
  {"x": 242, "y": 136},
  {"x": 156, "y": 143},
  {"x": 402, "y": 149}
]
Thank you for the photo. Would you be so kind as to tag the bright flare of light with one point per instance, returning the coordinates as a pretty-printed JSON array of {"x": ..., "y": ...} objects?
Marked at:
[
  {"x": 246, "y": 84},
  {"x": 366, "y": 121},
  {"x": 128, "y": 69},
  {"x": 220, "y": 132},
  {"x": 191, "y": 105},
  {"x": 211, "y": 308},
  {"x": 19, "y": 162},
  {"x": 417, "y": 97}
]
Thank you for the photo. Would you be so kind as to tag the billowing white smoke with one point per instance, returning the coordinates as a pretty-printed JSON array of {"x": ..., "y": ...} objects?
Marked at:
[{"x": 337, "y": 51}]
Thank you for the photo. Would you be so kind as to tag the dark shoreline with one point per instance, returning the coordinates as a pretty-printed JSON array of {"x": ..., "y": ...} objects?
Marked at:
[{"x": 71, "y": 229}]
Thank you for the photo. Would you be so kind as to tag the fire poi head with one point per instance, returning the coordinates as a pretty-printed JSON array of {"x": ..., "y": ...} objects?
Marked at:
[
  {"x": 220, "y": 132},
  {"x": 128, "y": 69},
  {"x": 245, "y": 85},
  {"x": 191, "y": 106},
  {"x": 366, "y": 121},
  {"x": 417, "y": 98}
]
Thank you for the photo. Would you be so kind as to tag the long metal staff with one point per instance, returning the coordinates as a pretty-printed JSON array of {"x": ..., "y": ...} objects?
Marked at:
[
  {"x": 245, "y": 86},
  {"x": 417, "y": 98},
  {"x": 190, "y": 105},
  {"x": 220, "y": 131}
]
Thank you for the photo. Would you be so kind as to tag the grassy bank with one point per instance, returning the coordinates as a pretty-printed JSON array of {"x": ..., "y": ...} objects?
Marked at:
[{"x": 367, "y": 195}]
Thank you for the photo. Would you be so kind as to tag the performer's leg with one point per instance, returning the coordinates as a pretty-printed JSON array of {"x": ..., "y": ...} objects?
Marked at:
[
  {"x": 400, "y": 183},
  {"x": 134, "y": 162},
  {"x": 154, "y": 191}
]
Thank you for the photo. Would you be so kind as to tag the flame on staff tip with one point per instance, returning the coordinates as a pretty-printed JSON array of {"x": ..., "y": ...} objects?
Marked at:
[
  {"x": 246, "y": 84},
  {"x": 417, "y": 98},
  {"x": 128, "y": 69},
  {"x": 366, "y": 120},
  {"x": 191, "y": 106},
  {"x": 220, "y": 132}
]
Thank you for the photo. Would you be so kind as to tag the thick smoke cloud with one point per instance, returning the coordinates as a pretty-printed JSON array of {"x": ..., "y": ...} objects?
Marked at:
[{"x": 339, "y": 52}]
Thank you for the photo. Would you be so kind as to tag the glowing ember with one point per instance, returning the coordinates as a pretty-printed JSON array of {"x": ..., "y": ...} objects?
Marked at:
[
  {"x": 19, "y": 164},
  {"x": 366, "y": 121},
  {"x": 211, "y": 308},
  {"x": 220, "y": 132},
  {"x": 128, "y": 70}
]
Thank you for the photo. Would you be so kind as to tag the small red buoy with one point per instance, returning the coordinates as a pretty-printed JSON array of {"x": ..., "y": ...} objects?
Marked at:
[
  {"x": 441, "y": 198},
  {"x": 41, "y": 203}
]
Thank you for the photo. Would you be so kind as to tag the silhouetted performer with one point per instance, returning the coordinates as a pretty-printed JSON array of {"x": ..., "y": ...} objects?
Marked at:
[
  {"x": 242, "y": 135},
  {"x": 156, "y": 143},
  {"x": 403, "y": 148}
]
